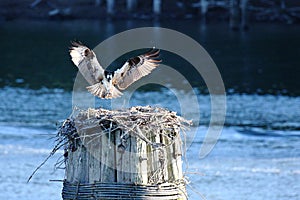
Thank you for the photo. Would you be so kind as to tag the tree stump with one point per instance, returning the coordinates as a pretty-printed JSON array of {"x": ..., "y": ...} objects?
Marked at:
[{"x": 129, "y": 154}]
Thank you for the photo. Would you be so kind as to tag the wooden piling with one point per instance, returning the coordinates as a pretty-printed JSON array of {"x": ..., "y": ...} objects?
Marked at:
[
  {"x": 110, "y": 6},
  {"x": 244, "y": 14},
  {"x": 204, "y": 8},
  {"x": 131, "y": 5},
  {"x": 129, "y": 154},
  {"x": 157, "y": 7},
  {"x": 234, "y": 20}
]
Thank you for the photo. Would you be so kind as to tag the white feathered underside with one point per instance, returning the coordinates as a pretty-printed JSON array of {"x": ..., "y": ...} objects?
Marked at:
[
  {"x": 99, "y": 90},
  {"x": 87, "y": 63},
  {"x": 77, "y": 55}
]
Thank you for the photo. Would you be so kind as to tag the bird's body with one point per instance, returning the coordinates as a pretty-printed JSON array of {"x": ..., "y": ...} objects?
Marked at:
[{"x": 107, "y": 84}]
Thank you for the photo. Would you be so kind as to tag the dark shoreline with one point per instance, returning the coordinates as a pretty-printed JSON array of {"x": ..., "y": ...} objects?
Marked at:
[{"x": 59, "y": 10}]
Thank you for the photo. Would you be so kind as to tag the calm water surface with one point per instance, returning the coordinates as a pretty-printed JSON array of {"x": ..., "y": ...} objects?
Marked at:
[{"x": 261, "y": 60}]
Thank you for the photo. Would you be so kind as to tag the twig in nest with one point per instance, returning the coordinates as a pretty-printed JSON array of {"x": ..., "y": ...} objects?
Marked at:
[
  {"x": 56, "y": 148},
  {"x": 66, "y": 134}
]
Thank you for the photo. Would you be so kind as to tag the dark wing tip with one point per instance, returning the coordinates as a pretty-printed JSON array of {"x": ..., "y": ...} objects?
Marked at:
[
  {"x": 78, "y": 44},
  {"x": 153, "y": 52},
  {"x": 156, "y": 60},
  {"x": 75, "y": 43},
  {"x": 154, "y": 56},
  {"x": 134, "y": 61}
]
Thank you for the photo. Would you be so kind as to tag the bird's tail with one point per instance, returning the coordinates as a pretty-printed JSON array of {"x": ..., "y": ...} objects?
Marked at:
[
  {"x": 100, "y": 91},
  {"x": 114, "y": 93}
]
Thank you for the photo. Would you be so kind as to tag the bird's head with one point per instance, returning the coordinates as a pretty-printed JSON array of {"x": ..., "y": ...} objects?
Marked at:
[{"x": 108, "y": 75}]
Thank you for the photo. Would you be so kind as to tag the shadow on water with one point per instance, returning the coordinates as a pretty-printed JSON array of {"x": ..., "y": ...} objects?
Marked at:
[{"x": 262, "y": 60}]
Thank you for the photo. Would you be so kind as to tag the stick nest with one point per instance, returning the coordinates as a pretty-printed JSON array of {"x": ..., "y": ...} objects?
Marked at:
[{"x": 140, "y": 121}]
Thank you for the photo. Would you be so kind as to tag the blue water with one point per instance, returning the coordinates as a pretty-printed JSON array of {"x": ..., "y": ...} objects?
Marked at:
[{"x": 257, "y": 156}]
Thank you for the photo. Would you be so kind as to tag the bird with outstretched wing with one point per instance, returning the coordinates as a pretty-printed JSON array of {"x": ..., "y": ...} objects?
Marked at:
[{"x": 107, "y": 84}]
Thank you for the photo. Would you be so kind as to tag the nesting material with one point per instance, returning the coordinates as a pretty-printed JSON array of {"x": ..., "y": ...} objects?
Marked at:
[{"x": 138, "y": 148}]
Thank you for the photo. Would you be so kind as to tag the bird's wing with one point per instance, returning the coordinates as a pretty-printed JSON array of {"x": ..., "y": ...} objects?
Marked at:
[
  {"x": 135, "y": 68},
  {"x": 87, "y": 63},
  {"x": 100, "y": 90}
]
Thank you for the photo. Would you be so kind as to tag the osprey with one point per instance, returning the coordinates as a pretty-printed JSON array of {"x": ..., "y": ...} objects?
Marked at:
[{"x": 107, "y": 84}]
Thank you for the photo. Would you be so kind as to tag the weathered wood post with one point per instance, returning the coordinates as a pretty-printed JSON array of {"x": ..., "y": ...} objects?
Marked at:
[
  {"x": 244, "y": 14},
  {"x": 234, "y": 20},
  {"x": 157, "y": 7},
  {"x": 131, "y": 5},
  {"x": 238, "y": 14},
  {"x": 110, "y": 6},
  {"x": 204, "y": 8},
  {"x": 129, "y": 154}
]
